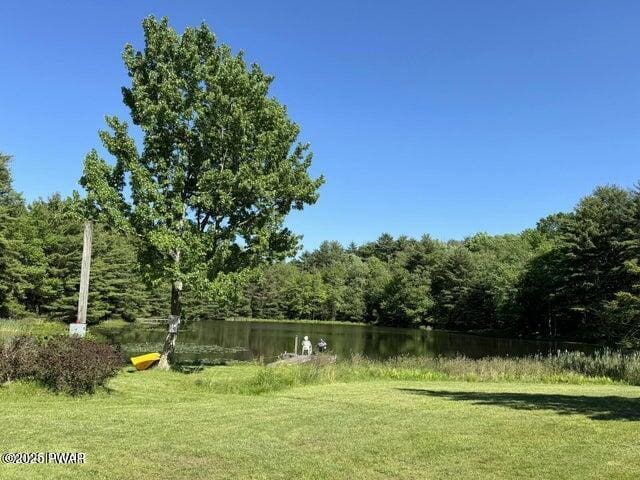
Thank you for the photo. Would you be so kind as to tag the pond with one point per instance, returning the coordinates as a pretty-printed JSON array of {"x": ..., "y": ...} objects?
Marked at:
[{"x": 212, "y": 341}]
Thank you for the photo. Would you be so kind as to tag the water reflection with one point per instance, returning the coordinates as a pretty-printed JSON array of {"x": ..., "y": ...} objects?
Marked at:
[{"x": 213, "y": 341}]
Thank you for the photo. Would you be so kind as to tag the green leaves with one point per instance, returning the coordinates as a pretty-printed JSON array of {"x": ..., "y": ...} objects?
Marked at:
[
  {"x": 105, "y": 201},
  {"x": 219, "y": 165}
]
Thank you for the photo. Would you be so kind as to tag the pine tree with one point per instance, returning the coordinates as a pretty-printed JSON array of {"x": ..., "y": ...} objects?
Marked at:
[
  {"x": 593, "y": 257},
  {"x": 623, "y": 312},
  {"x": 18, "y": 259},
  {"x": 116, "y": 289}
]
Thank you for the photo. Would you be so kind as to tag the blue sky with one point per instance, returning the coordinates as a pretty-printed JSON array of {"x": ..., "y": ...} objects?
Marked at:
[{"x": 441, "y": 117}]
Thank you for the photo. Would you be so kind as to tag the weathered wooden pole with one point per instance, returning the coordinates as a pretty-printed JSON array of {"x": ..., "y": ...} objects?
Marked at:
[
  {"x": 295, "y": 350},
  {"x": 83, "y": 298}
]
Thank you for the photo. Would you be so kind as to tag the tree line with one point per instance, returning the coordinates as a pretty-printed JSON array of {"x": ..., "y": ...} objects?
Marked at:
[{"x": 573, "y": 275}]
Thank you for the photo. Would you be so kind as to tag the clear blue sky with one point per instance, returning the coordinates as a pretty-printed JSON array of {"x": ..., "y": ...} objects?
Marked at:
[{"x": 440, "y": 117}]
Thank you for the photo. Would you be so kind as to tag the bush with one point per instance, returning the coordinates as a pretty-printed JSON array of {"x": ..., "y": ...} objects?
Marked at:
[
  {"x": 18, "y": 358},
  {"x": 63, "y": 364},
  {"x": 76, "y": 365}
]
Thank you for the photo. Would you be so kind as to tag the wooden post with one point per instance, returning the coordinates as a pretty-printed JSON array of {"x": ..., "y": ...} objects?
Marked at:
[
  {"x": 295, "y": 350},
  {"x": 83, "y": 298}
]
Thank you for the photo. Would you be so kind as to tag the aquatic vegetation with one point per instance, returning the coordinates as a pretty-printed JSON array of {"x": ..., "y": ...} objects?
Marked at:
[{"x": 185, "y": 348}]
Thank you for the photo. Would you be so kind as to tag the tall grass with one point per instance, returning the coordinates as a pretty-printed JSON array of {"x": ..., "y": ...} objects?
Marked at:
[
  {"x": 563, "y": 367},
  {"x": 611, "y": 364},
  {"x": 31, "y": 326}
]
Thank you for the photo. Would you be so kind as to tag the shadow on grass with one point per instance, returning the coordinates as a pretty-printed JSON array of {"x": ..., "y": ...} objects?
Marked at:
[
  {"x": 186, "y": 368},
  {"x": 196, "y": 367},
  {"x": 596, "y": 408}
]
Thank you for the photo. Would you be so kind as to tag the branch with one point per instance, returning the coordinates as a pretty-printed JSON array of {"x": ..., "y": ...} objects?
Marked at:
[{"x": 204, "y": 223}]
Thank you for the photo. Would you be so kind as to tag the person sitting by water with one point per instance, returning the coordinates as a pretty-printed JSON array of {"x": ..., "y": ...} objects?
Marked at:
[
  {"x": 322, "y": 345},
  {"x": 306, "y": 346}
]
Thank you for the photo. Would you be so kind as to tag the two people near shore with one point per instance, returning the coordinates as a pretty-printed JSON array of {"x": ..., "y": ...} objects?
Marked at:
[{"x": 307, "y": 348}]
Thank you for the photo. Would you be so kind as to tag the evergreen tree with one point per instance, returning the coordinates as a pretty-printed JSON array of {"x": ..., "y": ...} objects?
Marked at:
[
  {"x": 16, "y": 253},
  {"x": 592, "y": 258},
  {"x": 622, "y": 313}
]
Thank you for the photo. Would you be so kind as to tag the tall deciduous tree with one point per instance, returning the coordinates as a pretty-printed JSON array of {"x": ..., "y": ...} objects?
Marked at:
[{"x": 218, "y": 170}]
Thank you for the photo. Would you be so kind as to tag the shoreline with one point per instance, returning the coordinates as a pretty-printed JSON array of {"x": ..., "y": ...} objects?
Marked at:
[{"x": 302, "y": 321}]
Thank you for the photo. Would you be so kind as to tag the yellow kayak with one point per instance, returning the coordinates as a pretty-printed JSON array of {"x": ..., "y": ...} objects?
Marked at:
[{"x": 145, "y": 361}]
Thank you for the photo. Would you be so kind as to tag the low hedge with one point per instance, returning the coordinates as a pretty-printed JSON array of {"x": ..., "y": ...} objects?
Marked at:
[{"x": 63, "y": 364}]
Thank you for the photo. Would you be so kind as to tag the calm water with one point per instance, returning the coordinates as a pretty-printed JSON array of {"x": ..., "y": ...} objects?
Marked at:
[{"x": 212, "y": 341}]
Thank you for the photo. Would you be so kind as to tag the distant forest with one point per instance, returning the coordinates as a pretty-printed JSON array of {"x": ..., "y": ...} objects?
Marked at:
[{"x": 573, "y": 275}]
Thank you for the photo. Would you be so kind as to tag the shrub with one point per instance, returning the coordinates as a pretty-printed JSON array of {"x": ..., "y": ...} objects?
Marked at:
[
  {"x": 76, "y": 365},
  {"x": 18, "y": 358},
  {"x": 63, "y": 364}
]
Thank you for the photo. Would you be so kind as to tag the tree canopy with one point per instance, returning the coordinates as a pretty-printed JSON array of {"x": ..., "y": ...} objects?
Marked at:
[{"x": 219, "y": 168}]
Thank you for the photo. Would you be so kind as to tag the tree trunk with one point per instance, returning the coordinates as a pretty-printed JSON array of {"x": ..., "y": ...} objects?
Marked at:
[{"x": 174, "y": 323}]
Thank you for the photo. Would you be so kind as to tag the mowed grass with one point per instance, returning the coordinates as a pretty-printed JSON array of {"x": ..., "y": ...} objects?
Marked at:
[{"x": 152, "y": 425}]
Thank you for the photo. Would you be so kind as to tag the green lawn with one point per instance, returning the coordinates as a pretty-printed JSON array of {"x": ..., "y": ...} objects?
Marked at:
[{"x": 152, "y": 422}]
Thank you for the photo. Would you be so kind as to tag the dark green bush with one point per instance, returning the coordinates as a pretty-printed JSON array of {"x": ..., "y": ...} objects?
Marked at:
[
  {"x": 76, "y": 365},
  {"x": 18, "y": 358},
  {"x": 63, "y": 364}
]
